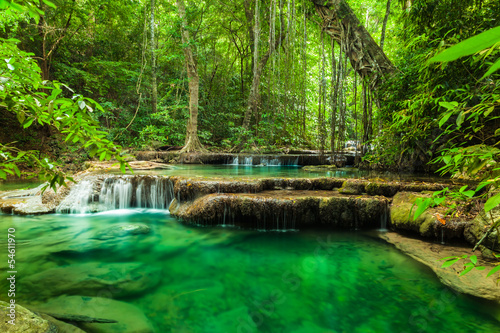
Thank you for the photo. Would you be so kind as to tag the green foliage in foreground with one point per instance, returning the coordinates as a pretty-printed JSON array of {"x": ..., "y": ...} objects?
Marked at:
[{"x": 31, "y": 100}]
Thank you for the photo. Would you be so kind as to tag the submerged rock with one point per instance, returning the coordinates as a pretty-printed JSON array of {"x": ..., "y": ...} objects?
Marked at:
[
  {"x": 25, "y": 321},
  {"x": 122, "y": 230},
  {"x": 93, "y": 279},
  {"x": 130, "y": 319}
]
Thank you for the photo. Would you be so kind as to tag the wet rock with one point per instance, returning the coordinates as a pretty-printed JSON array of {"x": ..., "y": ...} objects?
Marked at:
[
  {"x": 122, "y": 230},
  {"x": 130, "y": 319},
  {"x": 319, "y": 168},
  {"x": 473, "y": 283},
  {"x": 477, "y": 228},
  {"x": 426, "y": 225},
  {"x": 94, "y": 279},
  {"x": 25, "y": 321},
  {"x": 379, "y": 188},
  {"x": 283, "y": 209},
  {"x": 352, "y": 187},
  {"x": 62, "y": 327}
]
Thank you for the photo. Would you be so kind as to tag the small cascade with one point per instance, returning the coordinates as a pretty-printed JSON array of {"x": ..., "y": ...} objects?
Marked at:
[
  {"x": 248, "y": 161},
  {"x": 384, "y": 216},
  {"x": 78, "y": 200},
  {"x": 234, "y": 161},
  {"x": 274, "y": 162},
  {"x": 115, "y": 194},
  {"x": 103, "y": 194}
]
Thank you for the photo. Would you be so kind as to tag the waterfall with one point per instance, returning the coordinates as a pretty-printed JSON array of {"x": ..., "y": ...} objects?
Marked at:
[
  {"x": 113, "y": 192},
  {"x": 235, "y": 161},
  {"x": 384, "y": 216},
  {"x": 248, "y": 161},
  {"x": 78, "y": 200}
]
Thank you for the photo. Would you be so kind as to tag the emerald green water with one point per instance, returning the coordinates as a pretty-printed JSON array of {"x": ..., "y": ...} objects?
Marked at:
[
  {"x": 236, "y": 171},
  {"x": 230, "y": 280}
]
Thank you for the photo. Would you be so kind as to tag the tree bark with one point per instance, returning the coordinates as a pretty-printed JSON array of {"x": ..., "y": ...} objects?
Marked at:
[
  {"x": 366, "y": 57},
  {"x": 384, "y": 24},
  {"x": 192, "y": 143},
  {"x": 154, "y": 88},
  {"x": 253, "y": 97}
]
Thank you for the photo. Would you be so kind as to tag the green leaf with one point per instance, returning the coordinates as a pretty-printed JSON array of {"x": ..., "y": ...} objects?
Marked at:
[
  {"x": 473, "y": 259},
  {"x": 28, "y": 123},
  {"x": 122, "y": 167},
  {"x": 492, "y": 202},
  {"x": 493, "y": 271},
  {"x": 102, "y": 156},
  {"x": 493, "y": 68},
  {"x": 449, "y": 105},
  {"x": 448, "y": 263},
  {"x": 49, "y": 3},
  {"x": 422, "y": 207},
  {"x": 469, "y": 194},
  {"x": 467, "y": 270},
  {"x": 460, "y": 118},
  {"x": 11, "y": 67},
  {"x": 3, "y": 175},
  {"x": 445, "y": 118},
  {"x": 469, "y": 46},
  {"x": 438, "y": 201}
]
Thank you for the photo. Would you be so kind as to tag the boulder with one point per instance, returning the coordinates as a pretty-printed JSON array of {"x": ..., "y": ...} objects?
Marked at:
[
  {"x": 426, "y": 225},
  {"x": 25, "y": 321},
  {"x": 94, "y": 279},
  {"x": 129, "y": 318},
  {"x": 122, "y": 230},
  {"x": 477, "y": 228}
]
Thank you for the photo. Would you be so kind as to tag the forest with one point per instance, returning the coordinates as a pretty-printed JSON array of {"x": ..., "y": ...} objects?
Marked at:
[
  {"x": 84, "y": 79},
  {"x": 250, "y": 165}
]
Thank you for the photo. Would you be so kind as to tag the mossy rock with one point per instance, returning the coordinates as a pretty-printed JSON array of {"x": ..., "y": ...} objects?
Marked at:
[
  {"x": 402, "y": 205},
  {"x": 319, "y": 168},
  {"x": 476, "y": 229},
  {"x": 352, "y": 187},
  {"x": 377, "y": 188}
]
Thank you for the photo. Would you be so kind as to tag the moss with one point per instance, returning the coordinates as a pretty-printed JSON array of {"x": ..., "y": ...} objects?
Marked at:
[
  {"x": 376, "y": 188},
  {"x": 352, "y": 187},
  {"x": 403, "y": 203}
]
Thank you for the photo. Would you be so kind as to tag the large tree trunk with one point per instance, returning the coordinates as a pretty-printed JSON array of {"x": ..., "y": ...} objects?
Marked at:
[
  {"x": 192, "y": 141},
  {"x": 366, "y": 57}
]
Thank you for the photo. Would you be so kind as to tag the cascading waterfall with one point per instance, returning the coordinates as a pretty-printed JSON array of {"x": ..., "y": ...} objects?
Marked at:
[
  {"x": 115, "y": 194},
  {"x": 273, "y": 161},
  {"x": 79, "y": 199},
  {"x": 97, "y": 195}
]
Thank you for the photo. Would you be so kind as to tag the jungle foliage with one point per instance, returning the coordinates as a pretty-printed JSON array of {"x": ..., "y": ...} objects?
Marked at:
[{"x": 117, "y": 53}]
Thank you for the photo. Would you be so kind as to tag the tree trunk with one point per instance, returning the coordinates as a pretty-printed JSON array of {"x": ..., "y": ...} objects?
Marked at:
[
  {"x": 154, "y": 89},
  {"x": 384, "y": 25},
  {"x": 254, "y": 96},
  {"x": 257, "y": 71},
  {"x": 366, "y": 57},
  {"x": 192, "y": 143}
]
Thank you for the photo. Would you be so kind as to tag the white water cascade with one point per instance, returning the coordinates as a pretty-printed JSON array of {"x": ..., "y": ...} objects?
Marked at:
[
  {"x": 265, "y": 161},
  {"x": 103, "y": 194}
]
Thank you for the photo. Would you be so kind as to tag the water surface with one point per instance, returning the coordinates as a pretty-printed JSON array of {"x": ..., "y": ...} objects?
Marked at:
[{"x": 230, "y": 280}]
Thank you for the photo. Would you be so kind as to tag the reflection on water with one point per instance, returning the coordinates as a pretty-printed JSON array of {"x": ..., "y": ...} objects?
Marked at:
[
  {"x": 236, "y": 171},
  {"x": 188, "y": 279}
]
